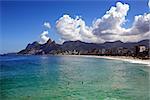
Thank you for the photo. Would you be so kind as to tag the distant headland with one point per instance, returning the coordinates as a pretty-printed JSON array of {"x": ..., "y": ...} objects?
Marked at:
[{"x": 139, "y": 49}]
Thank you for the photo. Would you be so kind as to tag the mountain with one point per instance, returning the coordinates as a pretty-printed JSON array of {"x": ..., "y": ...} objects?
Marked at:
[
  {"x": 79, "y": 45},
  {"x": 50, "y": 47},
  {"x": 132, "y": 44},
  {"x": 36, "y": 49},
  {"x": 107, "y": 45}
]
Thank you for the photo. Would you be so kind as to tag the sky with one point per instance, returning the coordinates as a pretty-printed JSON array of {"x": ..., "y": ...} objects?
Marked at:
[{"x": 95, "y": 21}]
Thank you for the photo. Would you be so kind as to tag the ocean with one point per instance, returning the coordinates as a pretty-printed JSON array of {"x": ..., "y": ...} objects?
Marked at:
[{"x": 72, "y": 78}]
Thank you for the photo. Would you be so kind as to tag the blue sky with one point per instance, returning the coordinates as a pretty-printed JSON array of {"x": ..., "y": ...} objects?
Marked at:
[{"x": 22, "y": 22}]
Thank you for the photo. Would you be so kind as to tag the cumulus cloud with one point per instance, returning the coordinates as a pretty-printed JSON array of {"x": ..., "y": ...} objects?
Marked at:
[
  {"x": 112, "y": 20},
  {"x": 44, "y": 37},
  {"x": 107, "y": 28},
  {"x": 140, "y": 28},
  {"x": 74, "y": 29},
  {"x": 47, "y": 25},
  {"x": 141, "y": 25}
]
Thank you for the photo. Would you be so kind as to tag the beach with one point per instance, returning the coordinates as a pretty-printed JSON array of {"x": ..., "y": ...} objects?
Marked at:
[{"x": 121, "y": 58}]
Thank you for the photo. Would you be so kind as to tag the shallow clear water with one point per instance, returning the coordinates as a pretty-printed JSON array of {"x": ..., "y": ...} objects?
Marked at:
[{"x": 72, "y": 78}]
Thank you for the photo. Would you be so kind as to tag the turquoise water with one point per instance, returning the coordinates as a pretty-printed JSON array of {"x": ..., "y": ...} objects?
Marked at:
[{"x": 72, "y": 78}]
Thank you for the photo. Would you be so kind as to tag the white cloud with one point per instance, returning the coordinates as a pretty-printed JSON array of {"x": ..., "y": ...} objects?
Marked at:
[
  {"x": 140, "y": 28},
  {"x": 47, "y": 25},
  {"x": 68, "y": 27},
  {"x": 44, "y": 37},
  {"x": 141, "y": 25},
  {"x": 108, "y": 28},
  {"x": 74, "y": 29},
  {"x": 112, "y": 20}
]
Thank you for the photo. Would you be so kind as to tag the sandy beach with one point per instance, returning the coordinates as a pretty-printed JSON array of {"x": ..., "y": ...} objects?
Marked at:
[{"x": 122, "y": 58}]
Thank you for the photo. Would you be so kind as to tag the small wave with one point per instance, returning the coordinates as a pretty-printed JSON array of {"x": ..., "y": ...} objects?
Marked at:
[{"x": 108, "y": 98}]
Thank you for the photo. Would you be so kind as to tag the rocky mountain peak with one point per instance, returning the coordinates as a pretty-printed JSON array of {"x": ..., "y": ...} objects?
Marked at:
[{"x": 49, "y": 41}]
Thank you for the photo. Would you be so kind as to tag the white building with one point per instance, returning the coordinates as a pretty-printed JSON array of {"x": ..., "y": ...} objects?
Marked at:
[{"x": 142, "y": 48}]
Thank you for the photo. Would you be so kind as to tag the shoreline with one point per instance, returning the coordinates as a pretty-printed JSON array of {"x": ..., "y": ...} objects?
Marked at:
[{"x": 121, "y": 58}]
